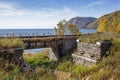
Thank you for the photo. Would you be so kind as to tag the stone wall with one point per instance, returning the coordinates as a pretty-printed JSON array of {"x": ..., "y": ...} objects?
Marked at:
[
  {"x": 60, "y": 50},
  {"x": 15, "y": 56},
  {"x": 92, "y": 51},
  {"x": 80, "y": 60},
  {"x": 88, "y": 54},
  {"x": 53, "y": 56}
]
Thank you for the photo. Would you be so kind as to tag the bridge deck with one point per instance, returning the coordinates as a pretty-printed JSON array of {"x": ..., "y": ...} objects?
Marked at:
[
  {"x": 31, "y": 42},
  {"x": 41, "y": 36},
  {"x": 37, "y": 38}
]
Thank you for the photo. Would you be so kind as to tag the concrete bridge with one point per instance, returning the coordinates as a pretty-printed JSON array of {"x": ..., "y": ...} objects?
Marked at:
[
  {"x": 60, "y": 46},
  {"x": 33, "y": 42}
]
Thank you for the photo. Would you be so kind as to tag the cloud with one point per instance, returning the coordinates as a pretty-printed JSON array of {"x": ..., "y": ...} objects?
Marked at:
[
  {"x": 94, "y": 4},
  {"x": 8, "y": 9},
  {"x": 12, "y": 15}
]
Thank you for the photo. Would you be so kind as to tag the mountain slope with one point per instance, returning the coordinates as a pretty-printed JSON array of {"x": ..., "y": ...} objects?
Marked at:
[
  {"x": 81, "y": 22},
  {"x": 93, "y": 25},
  {"x": 109, "y": 22}
]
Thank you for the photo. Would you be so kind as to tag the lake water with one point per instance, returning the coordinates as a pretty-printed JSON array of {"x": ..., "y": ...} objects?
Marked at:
[
  {"x": 30, "y": 32},
  {"x": 36, "y": 32}
]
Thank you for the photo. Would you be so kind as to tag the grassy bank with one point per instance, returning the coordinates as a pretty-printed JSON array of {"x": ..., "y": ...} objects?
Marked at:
[{"x": 94, "y": 37}]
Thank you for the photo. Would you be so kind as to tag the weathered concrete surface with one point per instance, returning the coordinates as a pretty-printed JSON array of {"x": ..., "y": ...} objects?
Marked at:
[
  {"x": 53, "y": 56},
  {"x": 32, "y": 43},
  {"x": 88, "y": 54}
]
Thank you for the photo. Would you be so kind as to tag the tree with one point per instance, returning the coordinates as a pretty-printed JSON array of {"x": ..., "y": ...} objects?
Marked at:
[
  {"x": 60, "y": 29},
  {"x": 73, "y": 29}
]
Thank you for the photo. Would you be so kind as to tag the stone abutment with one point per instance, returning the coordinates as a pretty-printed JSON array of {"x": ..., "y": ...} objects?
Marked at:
[{"x": 88, "y": 54}]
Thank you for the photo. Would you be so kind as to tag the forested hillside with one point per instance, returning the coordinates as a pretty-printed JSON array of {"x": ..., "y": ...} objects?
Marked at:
[{"x": 109, "y": 22}]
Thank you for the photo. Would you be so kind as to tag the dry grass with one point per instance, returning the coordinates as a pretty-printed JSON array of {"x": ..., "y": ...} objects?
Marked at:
[
  {"x": 94, "y": 37},
  {"x": 11, "y": 43}
]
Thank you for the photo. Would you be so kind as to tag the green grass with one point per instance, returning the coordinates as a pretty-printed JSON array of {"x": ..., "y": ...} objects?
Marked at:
[
  {"x": 11, "y": 43},
  {"x": 38, "y": 59}
]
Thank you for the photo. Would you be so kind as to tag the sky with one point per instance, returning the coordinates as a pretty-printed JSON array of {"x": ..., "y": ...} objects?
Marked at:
[{"x": 43, "y": 14}]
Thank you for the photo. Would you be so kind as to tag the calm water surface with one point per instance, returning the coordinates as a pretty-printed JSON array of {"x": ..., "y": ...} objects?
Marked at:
[{"x": 30, "y": 32}]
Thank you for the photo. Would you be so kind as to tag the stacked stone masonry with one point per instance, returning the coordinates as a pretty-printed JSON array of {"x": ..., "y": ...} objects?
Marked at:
[
  {"x": 60, "y": 50},
  {"x": 88, "y": 54},
  {"x": 15, "y": 56}
]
